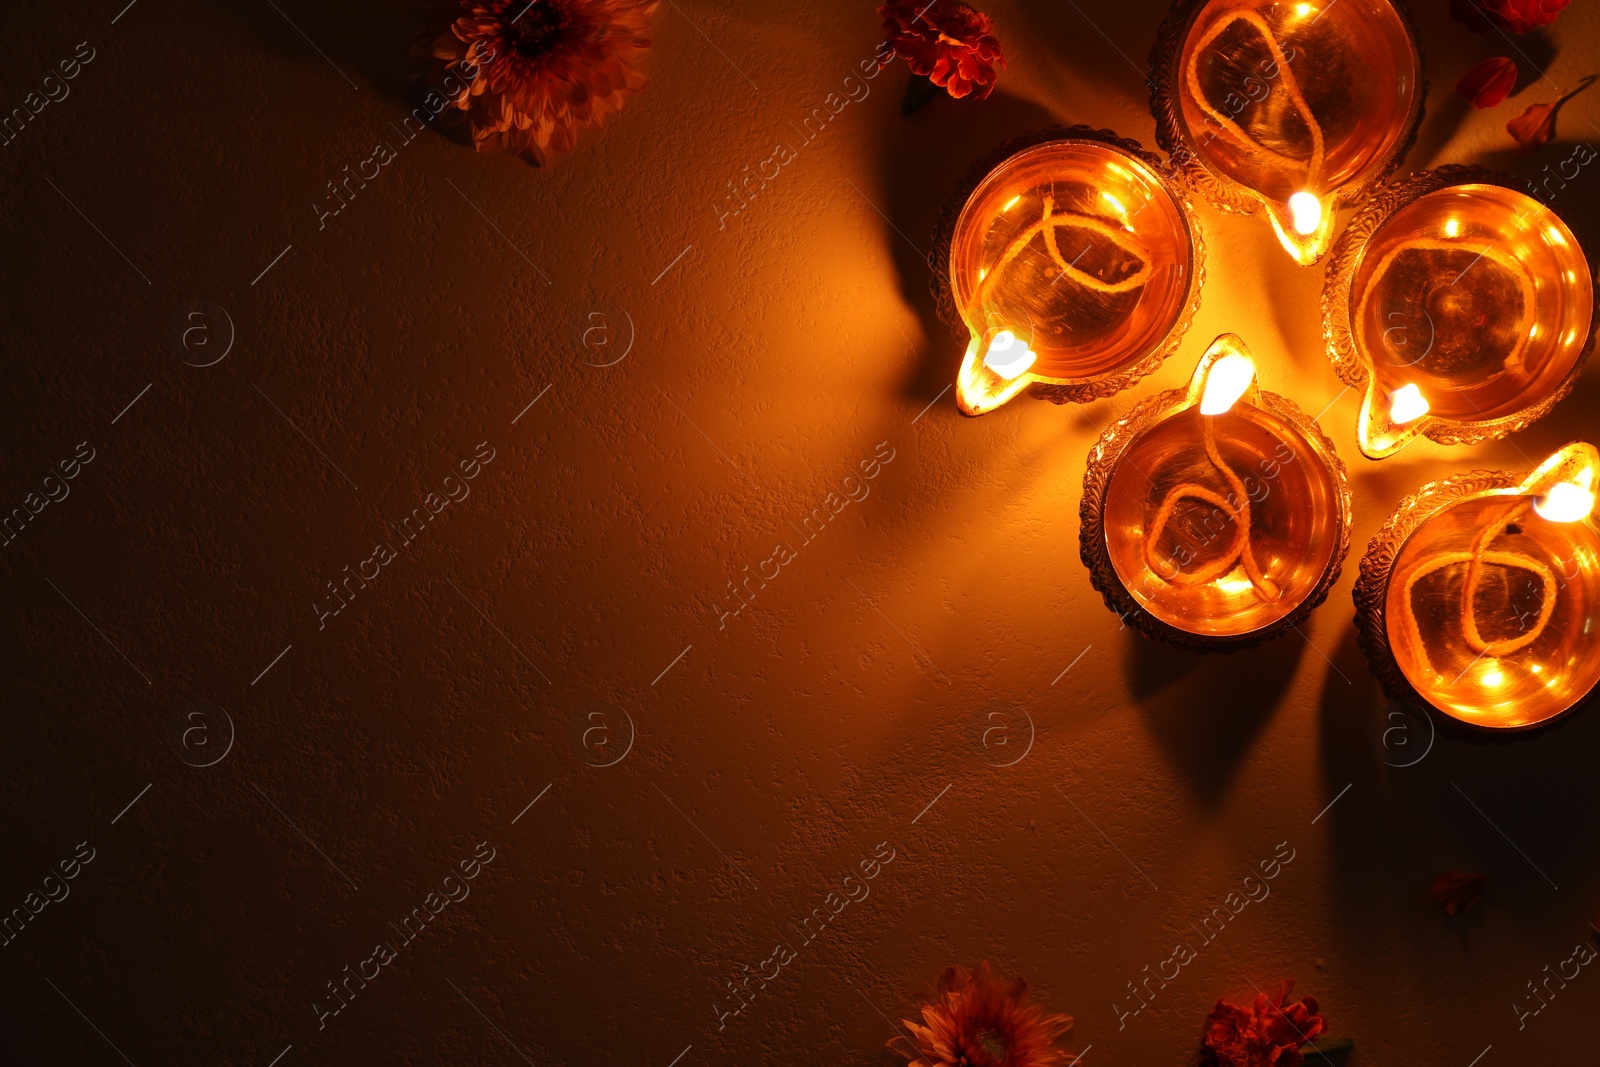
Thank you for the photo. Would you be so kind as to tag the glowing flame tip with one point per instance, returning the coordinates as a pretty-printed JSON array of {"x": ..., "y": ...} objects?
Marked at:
[
  {"x": 1566, "y": 502},
  {"x": 1007, "y": 357},
  {"x": 1407, "y": 404},
  {"x": 1306, "y": 212},
  {"x": 1226, "y": 382}
]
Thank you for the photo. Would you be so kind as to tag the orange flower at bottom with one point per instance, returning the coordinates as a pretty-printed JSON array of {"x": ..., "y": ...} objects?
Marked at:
[
  {"x": 979, "y": 1021},
  {"x": 541, "y": 70}
]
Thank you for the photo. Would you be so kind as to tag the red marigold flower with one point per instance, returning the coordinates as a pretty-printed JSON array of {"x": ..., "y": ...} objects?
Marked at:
[
  {"x": 1489, "y": 83},
  {"x": 1266, "y": 1034},
  {"x": 538, "y": 71},
  {"x": 978, "y": 1021},
  {"x": 1458, "y": 891},
  {"x": 945, "y": 41},
  {"x": 1513, "y": 16}
]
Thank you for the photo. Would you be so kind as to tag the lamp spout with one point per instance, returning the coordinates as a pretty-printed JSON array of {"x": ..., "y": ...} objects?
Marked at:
[
  {"x": 1563, "y": 486},
  {"x": 993, "y": 371},
  {"x": 1304, "y": 225},
  {"x": 1226, "y": 381},
  {"x": 1390, "y": 422}
]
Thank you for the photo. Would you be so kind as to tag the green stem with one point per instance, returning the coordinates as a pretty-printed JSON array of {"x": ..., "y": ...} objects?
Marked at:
[{"x": 919, "y": 90}]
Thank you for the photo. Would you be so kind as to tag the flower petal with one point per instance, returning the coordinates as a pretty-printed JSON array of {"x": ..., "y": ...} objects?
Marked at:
[
  {"x": 1458, "y": 891},
  {"x": 1489, "y": 83},
  {"x": 1534, "y": 126}
]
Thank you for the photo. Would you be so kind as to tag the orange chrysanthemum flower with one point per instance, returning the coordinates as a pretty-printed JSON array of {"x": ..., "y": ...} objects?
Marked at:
[
  {"x": 539, "y": 71},
  {"x": 979, "y": 1021}
]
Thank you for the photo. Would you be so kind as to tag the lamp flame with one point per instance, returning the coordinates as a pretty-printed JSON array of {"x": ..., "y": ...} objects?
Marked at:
[
  {"x": 1407, "y": 404},
  {"x": 1008, "y": 358},
  {"x": 1306, "y": 211},
  {"x": 1566, "y": 501},
  {"x": 1304, "y": 224},
  {"x": 993, "y": 374},
  {"x": 1227, "y": 381},
  {"x": 1563, "y": 486}
]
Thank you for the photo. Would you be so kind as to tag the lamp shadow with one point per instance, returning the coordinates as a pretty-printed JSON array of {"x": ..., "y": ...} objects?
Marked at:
[
  {"x": 1424, "y": 799},
  {"x": 924, "y": 157},
  {"x": 1566, "y": 174},
  {"x": 1449, "y": 51},
  {"x": 1205, "y": 710},
  {"x": 368, "y": 41}
]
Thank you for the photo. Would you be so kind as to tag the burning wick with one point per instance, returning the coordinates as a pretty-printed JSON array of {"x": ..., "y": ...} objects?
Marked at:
[
  {"x": 1007, "y": 357},
  {"x": 1230, "y": 376},
  {"x": 1566, "y": 501},
  {"x": 1407, "y": 404},
  {"x": 1226, "y": 382},
  {"x": 1306, "y": 211}
]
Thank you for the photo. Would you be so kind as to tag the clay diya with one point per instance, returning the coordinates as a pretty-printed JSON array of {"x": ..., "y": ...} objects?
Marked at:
[
  {"x": 1217, "y": 516},
  {"x": 1070, "y": 260},
  {"x": 1480, "y": 595},
  {"x": 1461, "y": 306},
  {"x": 1291, "y": 108}
]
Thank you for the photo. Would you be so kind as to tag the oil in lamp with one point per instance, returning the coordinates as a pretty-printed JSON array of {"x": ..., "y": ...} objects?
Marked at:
[
  {"x": 1070, "y": 260},
  {"x": 1479, "y": 596},
  {"x": 1217, "y": 516},
  {"x": 1462, "y": 307},
  {"x": 1291, "y": 108}
]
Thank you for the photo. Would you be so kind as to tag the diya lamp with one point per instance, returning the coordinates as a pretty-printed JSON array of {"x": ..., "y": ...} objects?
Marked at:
[
  {"x": 1461, "y": 307},
  {"x": 1217, "y": 516},
  {"x": 1480, "y": 595},
  {"x": 1296, "y": 109},
  {"x": 1069, "y": 260}
]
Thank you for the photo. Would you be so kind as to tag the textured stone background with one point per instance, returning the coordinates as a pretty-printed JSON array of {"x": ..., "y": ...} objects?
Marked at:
[{"x": 775, "y": 753}]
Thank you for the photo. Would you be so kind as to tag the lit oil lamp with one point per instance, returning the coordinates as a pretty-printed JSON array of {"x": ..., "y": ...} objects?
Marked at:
[
  {"x": 1070, "y": 260},
  {"x": 1462, "y": 307},
  {"x": 1291, "y": 108},
  {"x": 1216, "y": 516},
  {"x": 1480, "y": 595}
]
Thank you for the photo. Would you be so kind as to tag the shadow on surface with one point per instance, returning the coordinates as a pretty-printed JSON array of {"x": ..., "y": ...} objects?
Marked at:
[
  {"x": 922, "y": 158},
  {"x": 1198, "y": 711}
]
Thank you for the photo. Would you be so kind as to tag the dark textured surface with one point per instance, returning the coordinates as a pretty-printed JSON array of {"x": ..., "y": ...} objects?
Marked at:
[{"x": 790, "y": 739}]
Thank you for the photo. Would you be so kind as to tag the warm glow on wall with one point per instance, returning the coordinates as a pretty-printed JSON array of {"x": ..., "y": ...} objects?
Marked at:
[
  {"x": 1479, "y": 595},
  {"x": 1285, "y": 109},
  {"x": 1462, "y": 307},
  {"x": 1072, "y": 266},
  {"x": 1216, "y": 516}
]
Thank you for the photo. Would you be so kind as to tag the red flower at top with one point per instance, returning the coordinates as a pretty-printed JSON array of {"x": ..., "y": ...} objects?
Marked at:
[
  {"x": 1266, "y": 1034},
  {"x": 945, "y": 41},
  {"x": 1513, "y": 16}
]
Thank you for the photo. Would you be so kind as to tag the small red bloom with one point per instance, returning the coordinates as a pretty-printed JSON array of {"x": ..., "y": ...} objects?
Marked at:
[
  {"x": 1458, "y": 891},
  {"x": 945, "y": 41},
  {"x": 979, "y": 1021},
  {"x": 1266, "y": 1034},
  {"x": 1489, "y": 83},
  {"x": 1513, "y": 16}
]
